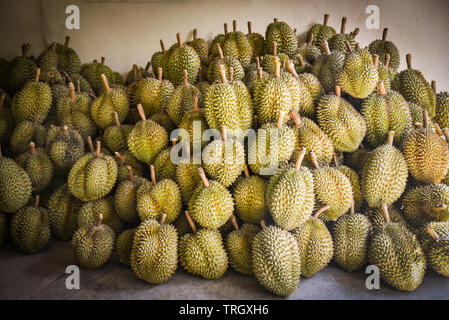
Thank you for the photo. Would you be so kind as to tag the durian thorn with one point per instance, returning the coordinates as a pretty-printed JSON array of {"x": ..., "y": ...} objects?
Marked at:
[
  {"x": 296, "y": 118},
  {"x": 78, "y": 86},
  {"x": 338, "y": 91},
  {"x": 446, "y": 134},
  {"x": 38, "y": 74},
  {"x": 375, "y": 60},
  {"x": 326, "y": 19},
  {"x": 225, "y": 26},
  {"x": 432, "y": 233},
  {"x": 300, "y": 158},
  {"x": 334, "y": 156},
  {"x": 178, "y": 36},
  {"x": 246, "y": 170},
  {"x": 434, "y": 86},
  {"x": 117, "y": 120},
  {"x": 100, "y": 219},
  {"x": 257, "y": 62},
  {"x": 25, "y": 49},
  {"x": 291, "y": 68},
  {"x": 249, "y": 27},
  {"x": 36, "y": 201},
  {"x": 390, "y": 137},
  {"x": 121, "y": 158},
  {"x": 343, "y": 25},
  {"x": 141, "y": 112},
  {"x": 159, "y": 74},
  {"x": 130, "y": 173},
  {"x": 153, "y": 175},
  {"x": 65, "y": 129},
  {"x": 440, "y": 207},
  {"x": 90, "y": 144},
  {"x": 259, "y": 73},
  {"x": 234, "y": 223},
  {"x": 326, "y": 49},
  {"x": 275, "y": 48},
  {"x": 314, "y": 160},
  {"x": 275, "y": 20},
  {"x": 408, "y": 58},
  {"x": 53, "y": 46},
  {"x": 352, "y": 208},
  {"x": 203, "y": 177},
  {"x": 300, "y": 60},
  {"x": 280, "y": 120},
  {"x": 384, "y": 208},
  {"x": 105, "y": 83},
  {"x": 163, "y": 219},
  {"x": 195, "y": 104},
  {"x": 234, "y": 25},
  {"x": 162, "y": 46},
  {"x": 224, "y": 133},
  {"x": 348, "y": 46},
  {"x": 221, "y": 70},
  {"x": 438, "y": 129},
  {"x": 190, "y": 221},
  {"x": 72, "y": 91},
  {"x": 384, "y": 34},
  {"x": 231, "y": 74},
  {"x": 355, "y": 32},
  {"x": 220, "y": 52},
  {"x": 195, "y": 33},
  {"x": 417, "y": 125},
  {"x": 98, "y": 151},
  {"x": 2, "y": 100},
  {"x": 277, "y": 67},
  {"x": 381, "y": 87},
  {"x": 185, "y": 77},
  {"x": 426, "y": 120},
  {"x": 67, "y": 41},
  {"x": 103, "y": 59},
  {"x": 36, "y": 121},
  {"x": 321, "y": 210},
  {"x": 263, "y": 224},
  {"x": 309, "y": 43},
  {"x": 32, "y": 148},
  {"x": 387, "y": 61}
]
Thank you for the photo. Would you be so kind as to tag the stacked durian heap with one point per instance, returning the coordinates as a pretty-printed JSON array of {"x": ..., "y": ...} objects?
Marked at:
[{"x": 362, "y": 158}]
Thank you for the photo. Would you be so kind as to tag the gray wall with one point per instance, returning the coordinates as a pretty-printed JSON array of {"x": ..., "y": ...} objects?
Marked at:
[{"x": 128, "y": 32}]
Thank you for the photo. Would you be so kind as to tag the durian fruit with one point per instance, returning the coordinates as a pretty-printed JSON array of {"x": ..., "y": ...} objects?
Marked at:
[
  {"x": 211, "y": 204},
  {"x": 384, "y": 174},
  {"x": 93, "y": 245},
  {"x": 21, "y": 69},
  {"x": 15, "y": 185},
  {"x": 426, "y": 153},
  {"x": 284, "y": 36},
  {"x": 217, "y": 39},
  {"x": 159, "y": 59},
  {"x": 63, "y": 209},
  {"x": 202, "y": 252},
  {"x": 255, "y": 77},
  {"x": 182, "y": 57},
  {"x": 337, "y": 42},
  {"x": 116, "y": 136},
  {"x": 244, "y": 102},
  {"x": 64, "y": 146},
  {"x": 351, "y": 233},
  {"x": 125, "y": 198},
  {"x": 355, "y": 182},
  {"x": 187, "y": 178},
  {"x": 384, "y": 72},
  {"x": 48, "y": 64},
  {"x": 92, "y": 73},
  {"x": 302, "y": 66},
  {"x": 312, "y": 138},
  {"x": 90, "y": 211},
  {"x": 340, "y": 121},
  {"x": 109, "y": 101},
  {"x": 3, "y": 228},
  {"x": 249, "y": 197},
  {"x": 164, "y": 167},
  {"x": 442, "y": 107},
  {"x": 237, "y": 45},
  {"x": 147, "y": 139},
  {"x": 384, "y": 48},
  {"x": 333, "y": 189},
  {"x": 213, "y": 73},
  {"x": 82, "y": 85},
  {"x": 38, "y": 166},
  {"x": 30, "y": 229},
  {"x": 356, "y": 160},
  {"x": 426, "y": 203},
  {"x": 268, "y": 64},
  {"x": 154, "y": 94},
  {"x": 127, "y": 159},
  {"x": 398, "y": 255},
  {"x": 201, "y": 47},
  {"x": 321, "y": 32},
  {"x": 181, "y": 100},
  {"x": 163, "y": 119},
  {"x": 33, "y": 100},
  {"x": 124, "y": 246},
  {"x": 314, "y": 244},
  {"x": 193, "y": 121},
  {"x": 310, "y": 52},
  {"x": 377, "y": 219},
  {"x": 133, "y": 75},
  {"x": 328, "y": 67},
  {"x": 224, "y": 159},
  {"x": 436, "y": 247},
  {"x": 239, "y": 246},
  {"x": 257, "y": 42},
  {"x": 68, "y": 59},
  {"x": 92, "y": 176},
  {"x": 290, "y": 195},
  {"x": 158, "y": 198},
  {"x": 415, "y": 88},
  {"x": 385, "y": 111},
  {"x": 202, "y": 84},
  {"x": 276, "y": 260},
  {"x": 6, "y": 120}
]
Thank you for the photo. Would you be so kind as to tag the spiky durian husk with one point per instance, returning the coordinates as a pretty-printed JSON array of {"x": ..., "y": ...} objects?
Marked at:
[
  {"x": 92, "y": 73},
  {"x": 180, "y": 59},
  {"x": 75, "y": 115},
  {"x": 437, "y": 250},
  {"x": 195, "y": 120},
  {"x": 15, "y": 186},
  {"x": 48, "y": 64},
  {"x": 236, "y": 44},
  {"x": 257, "y": 43},
  {"x": 164, "y": 167},
  {"x": 221, "y": 107},
  {"x": 311, "y": 53},
  {"x": 4, "y": 228},
  {"x": 33, "y": 100},
  {"x": 68, "y": 59},
  {"x": 124, "y": 246},
  {"x": 311, "y": 91},
  {"x": 377, "y": 219},
  {"x": 26, "y": 132},
  {"x": 239, "y": 245},
  {"x": 337, "y": 42},
  {"x": 116, "y": 137},
  {"x": 39, "y": 168},
  {"x": 249, "y": 197},
  {"x": 187, "y": 178},
  {"x": 355, "y": 183},
  {"x": 90, "y": 211},
  {"x": 146, "y": 140},
  {"x": 327, "y": 69},
  {"x": 181, "y": 101},
  {"x": 320, "y": 32},
  {"x": 102, "y": 108},
  {"x": 228, "y": 62},
  {"x": 129, "y": 160},
  {"x": 125, "y": 199},
  {"x": 153, "y": 95},
  {"x": 64, "y": 147},
  {"x": 285, "y": 37},
  {"x": 382, "y": 48},
  {"x": 201, "y": 47},
  {"x": 442, "y": 109},
  {"x": 21, "y": 70}
]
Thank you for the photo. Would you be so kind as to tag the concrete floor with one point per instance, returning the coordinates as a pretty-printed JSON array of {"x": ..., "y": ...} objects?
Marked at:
[{"x": 42, "y": 276}]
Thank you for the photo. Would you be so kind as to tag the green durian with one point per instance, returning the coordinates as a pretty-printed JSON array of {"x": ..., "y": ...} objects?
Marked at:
[
  {"x": 201, "y": 47},
  {"x": 116, "y": 136},
  {"x": 68, "y": 59},
  {"x": 48, "y": 64},
  {"x": 38, "y": 166},
  {"x": 256, "y": 41},
  {"x": 64, "y": 147},
  {"x": 384, "y": 48},
  {"x": 237, "y": 45},
  {"x": 182, "y": 57},
  {"x": 21, "y": 69},
  {"x": 284, "y": 36},
  {"x": 124, "y": 246}
]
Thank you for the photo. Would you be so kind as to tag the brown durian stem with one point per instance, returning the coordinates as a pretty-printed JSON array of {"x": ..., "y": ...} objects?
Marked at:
[
  {"x": 135, "y": 70},
  {"x": 190, "y": 221},
  {"x": 432, "y": 233},
  {"x": 220, "y": 52},
  {"x": 334, "y": 156},
  {"x": 263, "y": 224},
  {"x": 1, "y": 154},
  {"x": 72, "y": 91},
  {"x": 352, "y": 208},
  {"x": 326, "y": 49},
  {"x": 90, "y": 144},
  {"x": 348, "y": 46},
  {"x": 130, "y": 173},
  {"x": 384, "y": 209},
  {"x": 426, "y": 119},
  {"x": 249, "y": 27},
  {"x": 277, "y": 67},
  {"x": 384, "y": 34},
  {"x": 338, "y": 91},
  {"x": 438, "y": 129},
  {"x": 195, "y": 104},
  {"x": 234, "y": 223},
  {"x": 225, "y": 26},
  {"x": 66, "y": 75},
  {"x": 159, "y": 74},
  {"x": 446, "y": 134},
  {"x": 200, "y": 74},
  {"x": 224, "y": 133},
  {"x": 296, "y": 118},
  {"x": 390, "y": 137},
  {"x": 355, "y": 32},
  {"x": 357, "y": 46},
  {"x": 231, "y": 74},
  {"x": 291, "y": 68},
  {"x": 141, "y": 112},
  {"x": 300, "y": 158},
  {"x": 387, "y": 61},
  {"x": 275, "y": 20},
  {"x": 100, "y": 219},
  {"x": 98, "y": 151},
  {"x": 195, "y": 33},
  {"x": 178, "y": 36},
  {"x": 326, "y": 19},
  {"x": 375, "y": 61},
  {"x": 246, "y": 170},
  {"x": 147, "y": 67},
  {"x": 185, "y": 77},
  {"x": 275, "y": 48},
  {"x": 38, "y": 74},
  {"x": 67, "y": 41},
  {"x": 117, "y": 120},
  {"x": 440, "y": 207},
  {"x": 103, "y": 59},
  {"x": 25, "y": 49},
  {"x": 234, "y": 25},
  {"x": 162, "y": 46},
  {"x": 121, "y": 158},
  {"x": 105, "y": 83},
  {"x": 309, "y": 44},
  {"x": 221, "y": 70},
  {"x": 280, "y": 119},
  {"x": 294, "y": 31},
  {"x": 36, "y": 201},
  {"x": 163, "y": 219},
  {"x": 343, "y": 25},
  {"x": 32, "y": 148},
  {"x": 153, "y": 175},
  {"x": 321, "y": 210},
  {"x": 434, "y": 86},
  {"x": 408, "y": 58},
  {"x": 381, "y": 87},
  {"x": 300, "y": 60},
  {"x": 257, "y": 62},
  {"x": 203, "y": 177},
  {"x": 53, "y": 46},
  {"x": 314, "y": 160},
  {"x": 259, "y": 73}
]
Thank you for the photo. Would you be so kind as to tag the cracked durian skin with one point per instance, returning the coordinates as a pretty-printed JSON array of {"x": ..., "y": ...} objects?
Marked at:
[
  {"x": 63, "y": 209},
  {"x": 103, "y": 107},
  {"x": 15, "y": 186},
  {"x": 90, "y": 211},
  {"x": 203, "y": 254},
  {"x": 377, "y": 219},
  {"x": 125, "y": 199},
  {"x": 437, "y": 251},
  {"x": 354, "y": 178},
  {"x": 427, "y": 155},
  {"x": 181, "y": 101},
  {"x": 285, "y": 37},
  {"x": 187, "y": 178},
  {"x": 224, "y": 160},
  {"x": 228, "y": 62},
  {"x": 93, "y": 245},
  {"x": 64, "y": 148},
  {"x": 153, "y": 95},
  {"x": 249, "y": 198},
  {"x": 33, "y": 100},
  {"x": 385, "y": 113},
  {"x": 314, "y": 246},
  {"x": 155, "y": 200},
  {"x": 351, "y": 234},
  {"x": 30, "y": 229},
  {"x": 398, "y": 255},
  {"x": 3, "y": 228},
  {"x": 180, "y": 59},
  {"x": 146, "y": 140},
  {"x": 291, "y": 198},
  {"x": 39, "y": 168},
  {"x": 332, "y": 188},
  {"x": 236, "y": 44},
  {"x": 92, "y": 177},
  {"x": 341, "y": 122},
  {"x": 276, "y": 260},
  {"x": 124, "y": 246},
  {"x": 358, "y": 77},
  {"x": 327, "y": 69},
  {"x": 154, "y": 253},
  {"x": 239, "y": 245},
  {"x": 442, "y": 110},
  {"x": 420, "y": 204},
  {"x": 384, "y": 176},
  {"x": 211, "y": 207}
]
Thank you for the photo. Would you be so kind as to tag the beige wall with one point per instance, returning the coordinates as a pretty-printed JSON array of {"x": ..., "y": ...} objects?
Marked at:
[{"x": 128, "y": 33}]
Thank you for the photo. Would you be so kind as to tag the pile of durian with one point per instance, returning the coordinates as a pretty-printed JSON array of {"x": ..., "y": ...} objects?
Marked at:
[{"x": 362, "y": 152}]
